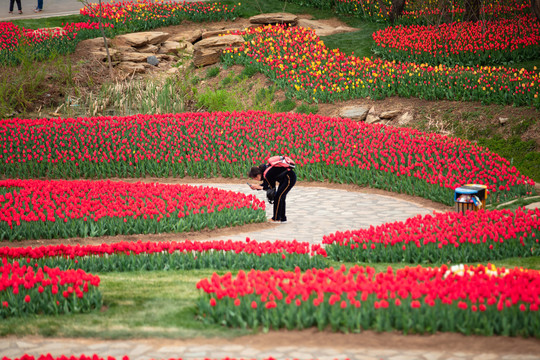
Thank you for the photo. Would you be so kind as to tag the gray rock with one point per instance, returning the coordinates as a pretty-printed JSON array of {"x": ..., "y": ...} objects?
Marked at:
[
  {"x": 389, "y": 114},
  {"x": 358, "y": 113},
  {"x": 152, "y": 60}
]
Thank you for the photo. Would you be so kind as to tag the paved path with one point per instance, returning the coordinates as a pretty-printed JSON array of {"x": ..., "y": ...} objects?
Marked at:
[
  {"x": 168, "y": 349},
  {"x": 313, "y": 212}
]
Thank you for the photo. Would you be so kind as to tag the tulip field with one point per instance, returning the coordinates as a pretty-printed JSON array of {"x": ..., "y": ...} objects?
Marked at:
[
  {"x": 418, "y": 11},
  {"x": 441, "y": 238},
  {"x": 472, "y": 300},
  {"x": 95, "y": 177},
  {"x": 44, "y": 209},
  {"x": 186, "y": 255},
  {"x": 25, "y": 289},
  {"x": 462, "y": 43},
  {"x": 300, "y": 63},
  {"x": 226, "y": 144}
]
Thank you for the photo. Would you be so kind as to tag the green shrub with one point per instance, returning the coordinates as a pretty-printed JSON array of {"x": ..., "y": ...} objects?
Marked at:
[
  {"x": 524, "y": 155},
  {"x": 284, "y": 106},
  {"x": 307, "y": 109},
  {"x": 212, "y": 72},
  {"x": 219, "y": 100}
]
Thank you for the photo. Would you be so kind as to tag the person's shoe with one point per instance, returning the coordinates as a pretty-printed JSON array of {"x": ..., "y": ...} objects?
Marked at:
[
  {"x": 11, "y": 12},
  {"x": 283, "y": 221},
  {"x": 38, "y": 10},
  {"x": 274, "y": 221},
  {"x": 20, "y": 12}
]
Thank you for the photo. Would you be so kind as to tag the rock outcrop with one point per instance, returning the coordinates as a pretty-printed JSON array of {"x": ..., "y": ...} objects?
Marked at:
[{"x": 274, "y": 18}]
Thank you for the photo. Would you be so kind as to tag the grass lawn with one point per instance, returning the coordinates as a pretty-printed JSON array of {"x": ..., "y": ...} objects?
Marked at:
[{"x": 156, "y": 304}]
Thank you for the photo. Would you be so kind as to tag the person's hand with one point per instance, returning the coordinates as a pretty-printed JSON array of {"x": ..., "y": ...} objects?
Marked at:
[{"x": 255, "y": 187}]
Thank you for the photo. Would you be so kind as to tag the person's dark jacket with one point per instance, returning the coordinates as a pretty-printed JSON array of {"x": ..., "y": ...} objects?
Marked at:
[{"x": 274, "y": 174}]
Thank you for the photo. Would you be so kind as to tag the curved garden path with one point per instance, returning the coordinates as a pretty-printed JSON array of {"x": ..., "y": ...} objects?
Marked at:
[{"x": 313, "y": 211}]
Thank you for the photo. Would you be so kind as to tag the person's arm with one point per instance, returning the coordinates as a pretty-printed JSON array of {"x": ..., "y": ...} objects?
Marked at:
[{"x": 255, "y": 186}]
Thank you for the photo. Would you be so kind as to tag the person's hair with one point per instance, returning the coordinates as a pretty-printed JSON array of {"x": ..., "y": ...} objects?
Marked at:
[{"x": 254, "y": 171}]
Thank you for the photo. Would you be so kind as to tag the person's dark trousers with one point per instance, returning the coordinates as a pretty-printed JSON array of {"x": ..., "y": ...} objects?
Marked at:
[
  {"x": 11, "y": 2},
  {"x": 39, "y": 5},
  {"x": 283, "y": 189}
]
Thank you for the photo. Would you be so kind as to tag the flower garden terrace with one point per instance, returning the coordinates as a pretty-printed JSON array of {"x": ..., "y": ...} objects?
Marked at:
[
  {"x": 299, "y": 62},
  {"x": 204, "y": 145}
]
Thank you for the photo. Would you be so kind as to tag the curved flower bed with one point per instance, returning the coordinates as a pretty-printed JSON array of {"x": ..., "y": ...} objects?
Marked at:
[
  {"x": 299, "y": 62},
  {"x": 417, "y": 12},
  {"x": 462, "y": 43},
  {"x": 40, "y": 44},
  {"x": 443, "y": 237},
  {"x": 186, "y": 255},
  {"x": 143, "y": 15},
  {"x": 417, "y": 300},
  {"x": 38, "y": 209},
  {"x": 25, "y": 289},
  {"x": 226, "y": 144}
]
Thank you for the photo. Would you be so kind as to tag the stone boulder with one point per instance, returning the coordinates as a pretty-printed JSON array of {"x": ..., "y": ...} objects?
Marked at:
[
  {"x": 170, "y": 47},
  {"x": 405, "y": 119},
  {"x": 208, "y": 51},
  {"x": 358, "y": 113},
  {"x": 148, "y": 48},
  {"x": 143, "y": 38},
  {"x": 322, "y": 29},
  {"x": 204, "y": 57},
  {"x": 101, "y": 55},
  {"x": 189, "y": 36},
  {"x": 274, "y": 18},
  {"x": 131, "y": 67},
  {"x": 138, "y": 57},
  {"x": 95, "y": 43},
  {"x": 372, "y": 119},
  {"x": 387, "y": 115},
  {"x": 207, "y": 34}
]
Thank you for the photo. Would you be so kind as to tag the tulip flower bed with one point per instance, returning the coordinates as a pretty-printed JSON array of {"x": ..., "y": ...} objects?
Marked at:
[
  {"x": 40, "y": 44},
  {"x": 142, "y": 15},
  {"x": 37, "y": 209},
  {"x": 299, "y": 62},
  {"x": 417, "y": 12},
  {"x": 443, "y": 237},
  {"x": 413, "y": 300},
  {"x": 462, "y": 43},
  {"x": 226, "y": 144},
  {"x": 187, "y": 255},
  {"x": 25, "y": 289}
]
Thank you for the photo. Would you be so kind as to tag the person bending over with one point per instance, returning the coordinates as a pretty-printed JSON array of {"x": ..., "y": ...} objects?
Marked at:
[{"x": 286, "y": 177}]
